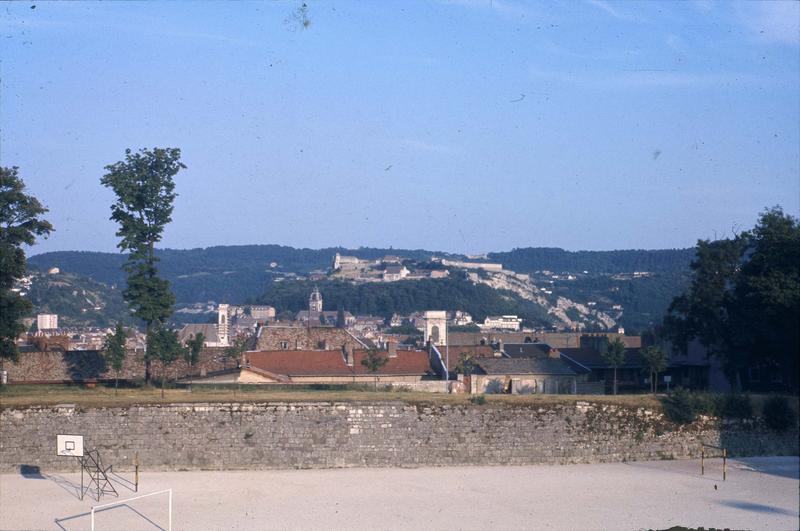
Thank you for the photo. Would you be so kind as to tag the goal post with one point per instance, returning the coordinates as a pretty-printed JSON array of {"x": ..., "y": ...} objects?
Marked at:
[{"x": 123, "y": 502}]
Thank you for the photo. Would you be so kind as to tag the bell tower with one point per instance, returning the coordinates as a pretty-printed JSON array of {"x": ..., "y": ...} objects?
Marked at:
[{"x": 315, "y": 301}]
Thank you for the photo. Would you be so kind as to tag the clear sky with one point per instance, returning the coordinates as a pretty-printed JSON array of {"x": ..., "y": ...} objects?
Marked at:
[{"x": 463, "y": 126}]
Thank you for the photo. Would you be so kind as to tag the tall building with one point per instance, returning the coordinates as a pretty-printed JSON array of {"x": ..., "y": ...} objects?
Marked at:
[
  {"x": 46, "y": 321},
  {"x": 223, "y": 326},
  {"x": 315, "y": 301},
  {"x": 436, "y": 327}
]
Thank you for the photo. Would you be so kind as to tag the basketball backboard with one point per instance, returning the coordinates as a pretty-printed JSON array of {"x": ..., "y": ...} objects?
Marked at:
[{"x": 69, "y": 445}]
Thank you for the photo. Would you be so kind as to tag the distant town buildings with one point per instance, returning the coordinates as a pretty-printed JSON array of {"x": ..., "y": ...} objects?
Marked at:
[
  {"x": 501, "y": 322},
  {"x": 287, "y": 337},
  {"x": 210, "y": 334},
  {"x": 262, "y": 312},
  {"x": 486, "y": 266},
  {"x": 47, "y": 321},
  {"x": 395, "y": 272},
  {"x": 459, "y": 318},
  {"x": 316, "y": 315}
]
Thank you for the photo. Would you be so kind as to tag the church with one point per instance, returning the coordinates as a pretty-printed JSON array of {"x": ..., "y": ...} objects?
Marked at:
[{"x": 316, "y": 315}]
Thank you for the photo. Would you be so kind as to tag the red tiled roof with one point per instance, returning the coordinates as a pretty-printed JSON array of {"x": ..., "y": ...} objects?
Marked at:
[{"x": 332, "y": 363}]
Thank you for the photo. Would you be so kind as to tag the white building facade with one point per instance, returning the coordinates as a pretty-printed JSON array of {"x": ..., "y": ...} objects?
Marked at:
[{"x": 46, "y": 321}]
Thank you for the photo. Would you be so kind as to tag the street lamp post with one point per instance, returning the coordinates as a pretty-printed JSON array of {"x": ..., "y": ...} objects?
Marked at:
[{"x": 446, "y": 353}]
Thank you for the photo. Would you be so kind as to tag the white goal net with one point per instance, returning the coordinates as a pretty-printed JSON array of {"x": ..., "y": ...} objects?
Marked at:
[{"x": 146, "y": 511}]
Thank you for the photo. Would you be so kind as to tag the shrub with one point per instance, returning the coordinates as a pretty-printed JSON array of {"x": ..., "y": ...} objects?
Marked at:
[
  {"x": 778, "y": 415},
  {"x": 478, "y": 400},
  {"x": 680, "y": 406},
  {"x": 705, "y": 403},
  {"x": 494, "y": 386},
  {"x": 736, "y": 406}
]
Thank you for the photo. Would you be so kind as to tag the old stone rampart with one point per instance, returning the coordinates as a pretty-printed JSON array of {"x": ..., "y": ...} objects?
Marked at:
[
  {"x": 380, "y": 434},
  {"x": 55, "y": 366}
]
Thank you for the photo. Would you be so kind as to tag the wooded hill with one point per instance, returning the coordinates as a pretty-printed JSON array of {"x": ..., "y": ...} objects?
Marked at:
[{"x": 238, "y": 274}]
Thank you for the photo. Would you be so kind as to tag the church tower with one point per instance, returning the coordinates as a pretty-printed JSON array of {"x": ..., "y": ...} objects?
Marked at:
[{"x": 315, "y": 302}]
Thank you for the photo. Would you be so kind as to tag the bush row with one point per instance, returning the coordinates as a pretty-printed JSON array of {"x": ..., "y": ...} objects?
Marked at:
[{"x": 684, "y": 406}]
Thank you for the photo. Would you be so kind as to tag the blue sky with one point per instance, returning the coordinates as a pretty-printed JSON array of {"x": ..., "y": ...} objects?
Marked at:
[{"x": 464, "y": 126}]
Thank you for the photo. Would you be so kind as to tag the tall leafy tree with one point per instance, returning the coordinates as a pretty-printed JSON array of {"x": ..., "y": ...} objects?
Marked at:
[
  {"x": 192, "y": 353},
  {"x": 743, "y": 303},
  {"x": 164, "y": 347},
  {"x": 373, "y": 361},
  {"x": 234, "y": 351},
  {"x": 765, "y": 313},
  {"x": 145, "y": 188},
  {"x": 614, "y": 355},
  {"x": 114, "y": 351},
  {"x": 655, "y": 361},
  {"x": 467, "y": 361},
  {"x": 20, "y": 224}
]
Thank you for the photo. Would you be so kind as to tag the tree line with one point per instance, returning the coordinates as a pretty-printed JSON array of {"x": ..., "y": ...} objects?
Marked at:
[{"x": 743, "y": 301}]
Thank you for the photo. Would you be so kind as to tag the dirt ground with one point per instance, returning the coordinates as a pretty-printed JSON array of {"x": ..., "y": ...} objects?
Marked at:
[{"x": 760, "y": 493}]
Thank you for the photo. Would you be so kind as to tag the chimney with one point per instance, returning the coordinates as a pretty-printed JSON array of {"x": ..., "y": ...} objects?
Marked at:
[
  {"x": 553, "y": 353},
  {"x": 348, "y": 355},
  {"x": 392, "y": 347}
]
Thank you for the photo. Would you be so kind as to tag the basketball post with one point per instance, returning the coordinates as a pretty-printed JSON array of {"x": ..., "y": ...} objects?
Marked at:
[
  {"x": 136, "y": 468},
  {"x": 72, "y": 446}
]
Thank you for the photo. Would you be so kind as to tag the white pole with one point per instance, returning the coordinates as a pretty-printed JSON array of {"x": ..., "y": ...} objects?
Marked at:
[
  {"x": 446, "y": 352},
  {"x": 170, "y": 510},
  {"x": 92, "y": 518}
]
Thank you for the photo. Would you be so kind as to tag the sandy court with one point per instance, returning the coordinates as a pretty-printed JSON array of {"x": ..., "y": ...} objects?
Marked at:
[{"x": 760, "y": 493}]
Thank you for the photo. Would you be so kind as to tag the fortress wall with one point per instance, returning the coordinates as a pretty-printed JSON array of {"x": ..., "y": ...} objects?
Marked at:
[{"x": 379, "y": 434}]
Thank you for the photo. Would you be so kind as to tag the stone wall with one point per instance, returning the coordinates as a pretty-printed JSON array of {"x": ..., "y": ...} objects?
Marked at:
[
  {"x": 324, "y": 435},
  {"x": 82, "y": 365}
]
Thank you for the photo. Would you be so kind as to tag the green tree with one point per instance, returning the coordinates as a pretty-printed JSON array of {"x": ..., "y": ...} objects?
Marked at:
[
  {"x": 655, "y": 361},
  {"x": 164, "y": 347},
  {"x": 145, "y": 190},
  {"x": 743, "y": 303},
  {"x": 20, "y": 224},
  {"x": 191, "y": 353},
  {"x": 615, "y": 356},
  {"x": 234, "y": 351},
  {"x": 466, "y": 362},
  {"x": 373, "y": 361},
  {"x": 114, "y": 351}
]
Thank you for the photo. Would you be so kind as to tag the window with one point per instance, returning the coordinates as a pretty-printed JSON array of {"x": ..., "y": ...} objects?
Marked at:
[{"x": 284, "y": 345}]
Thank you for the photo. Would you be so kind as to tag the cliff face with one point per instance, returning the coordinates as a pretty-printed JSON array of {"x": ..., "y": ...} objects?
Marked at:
[{"x": 567, "y": 311}]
